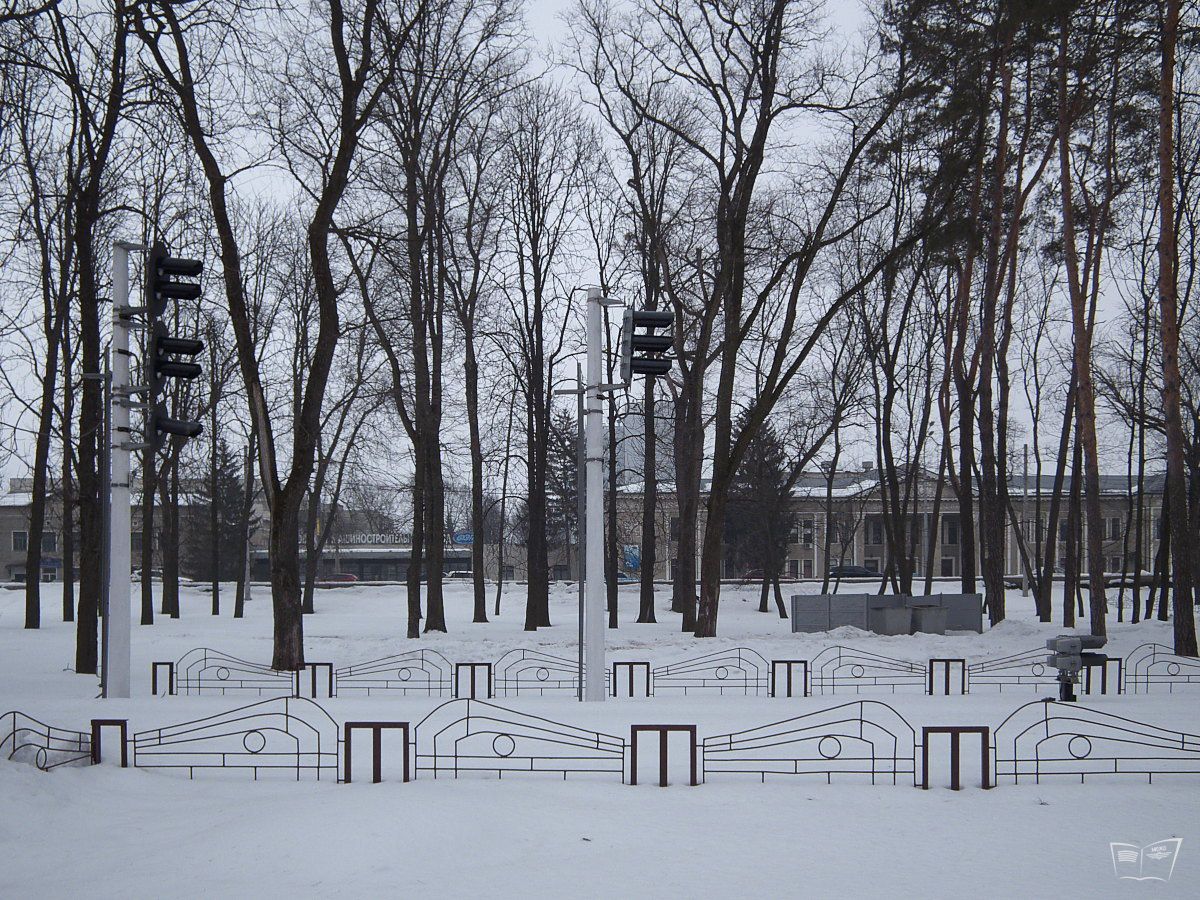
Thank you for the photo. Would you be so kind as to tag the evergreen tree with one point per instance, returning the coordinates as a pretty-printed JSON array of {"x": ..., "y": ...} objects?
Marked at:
[
  {"x": 758, "y": 521},
  {"x": 228, "y": 494}
]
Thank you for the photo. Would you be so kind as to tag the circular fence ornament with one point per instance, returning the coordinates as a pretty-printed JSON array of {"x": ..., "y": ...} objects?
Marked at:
[
  {"x": 542, "y": 674},
  {"x": 1173, "y": 668},
  {"x": 404, "y": 674},
  {"x": 41, "y": 759},
  {"x": 503, "y": 745},
  {"x": 856, "y": 671},
  {"x": 254, "y": 741},
  {"x": 830, "y": 747},
  {"x": 722, "y": 673},
  {"x": 1079, "y": 747},
  {"x": 222, "y": 674},
  {"x": 1038, "y": 669}
]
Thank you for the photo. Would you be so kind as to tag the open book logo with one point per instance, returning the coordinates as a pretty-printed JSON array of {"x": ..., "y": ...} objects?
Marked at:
[{"x": 1153, "y": 862}]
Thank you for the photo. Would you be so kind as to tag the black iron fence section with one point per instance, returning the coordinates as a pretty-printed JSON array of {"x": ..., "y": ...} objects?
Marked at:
[
  {"x": 473, "y": 737},
  {"x": 206, "y": 672},
  {"x": 286, "y": 736},
  {"x": 422, "y": 673},
  {"x": 738, "y": 671},
  {"x": 535, "y": 673},
  {"x": 864, "y": 739},
  {"x": 846, "y": 670},
  {"x": 1154, "y": 668},
  {"x": 25, "y": 739},
  {"x": 1050, "y": 739}
]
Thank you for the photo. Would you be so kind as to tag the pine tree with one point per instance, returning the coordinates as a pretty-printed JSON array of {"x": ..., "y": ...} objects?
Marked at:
[
  {"x": 759, "y": 520},
  {"x": 228, "y": 493}
]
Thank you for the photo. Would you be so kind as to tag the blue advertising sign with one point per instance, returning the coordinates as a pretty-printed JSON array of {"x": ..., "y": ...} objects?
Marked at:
[
  {"x": 633, "y": 556},
  {"x": 463, "y": 538}
]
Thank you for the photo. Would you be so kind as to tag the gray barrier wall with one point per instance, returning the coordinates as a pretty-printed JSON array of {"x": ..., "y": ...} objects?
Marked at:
[{"x": 880, "y": 612}]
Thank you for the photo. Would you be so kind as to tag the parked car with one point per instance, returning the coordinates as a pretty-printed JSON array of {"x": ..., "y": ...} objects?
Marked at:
[
  {"x": 852, "y": 572},
  {"x": 626, "y": 578},
  {"x": 339, "y": 578},
  {"x": 155, "y": 575},
  {"x": 462, "y": 574}
]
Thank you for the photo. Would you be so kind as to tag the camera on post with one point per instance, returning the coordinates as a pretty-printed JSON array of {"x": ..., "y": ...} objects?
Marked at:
[{"x": 1070, "y": 656}]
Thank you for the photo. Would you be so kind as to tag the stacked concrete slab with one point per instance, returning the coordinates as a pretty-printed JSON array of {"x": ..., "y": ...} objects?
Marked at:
[{"x": 882, "y": 613}]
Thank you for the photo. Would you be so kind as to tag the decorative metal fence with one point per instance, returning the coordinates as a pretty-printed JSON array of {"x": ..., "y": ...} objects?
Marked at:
[
  {"x": 1025, "y": 671},
  {"x": 1155, "y": 668},
  {"x": 473, "y": 737},
  {"x": 287, "y": 736},
  {"x": 847, "y": 670},
  {"x": 203, "y": 671},
  {"x": 1048, "y": 738},
  {"x": 25, "y": 739},
  {"x": 532, "y": 672},
  {"x": 424, "y": 673},
  {"x": 738, "y": 671},
  {"x": 866, "y": 739}
]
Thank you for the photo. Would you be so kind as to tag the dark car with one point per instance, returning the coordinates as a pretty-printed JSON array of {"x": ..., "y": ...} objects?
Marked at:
[
  {"x": 339, "y": 578},
  {"x": 852, "y": 572}
]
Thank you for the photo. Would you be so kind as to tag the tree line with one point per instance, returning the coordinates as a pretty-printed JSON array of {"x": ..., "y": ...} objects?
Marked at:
[{"x": 955, "y": 238}]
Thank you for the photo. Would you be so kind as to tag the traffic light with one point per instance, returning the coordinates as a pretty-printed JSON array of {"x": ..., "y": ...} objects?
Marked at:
[
  {"x": 167, "y": 283},
  {"x": 635, "y": 345}
]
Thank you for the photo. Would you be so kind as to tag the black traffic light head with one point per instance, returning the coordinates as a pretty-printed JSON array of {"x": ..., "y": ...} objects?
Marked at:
[
  {"x": 635, "y": 345},
  {"x": 168, "y": 356},
  {"x": 165, "y": 282}
]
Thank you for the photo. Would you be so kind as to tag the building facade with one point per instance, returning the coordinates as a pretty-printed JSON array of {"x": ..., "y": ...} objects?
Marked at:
[{"x": 835, "y": 523}]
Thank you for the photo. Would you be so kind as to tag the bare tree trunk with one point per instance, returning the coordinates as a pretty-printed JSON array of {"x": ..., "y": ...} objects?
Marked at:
[
  {"x": 214, "y": 497},
  {"x": 1175, "y": 494},
  {"x": 243, "y": 586},
  {"x": 1085, "y": 398},
  {"x": 479, "y": 592},
  {"x": 68, "y": 480},
  {"x": 416, "y": 552}
]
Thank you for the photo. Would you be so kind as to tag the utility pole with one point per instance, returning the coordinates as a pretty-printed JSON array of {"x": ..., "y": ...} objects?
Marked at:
[
  {"x": 580, "y": 510},
  {"x": 594, "y": 602},
  {"x": 117, "y": 620},
  {"x": 580, "y": 506}
]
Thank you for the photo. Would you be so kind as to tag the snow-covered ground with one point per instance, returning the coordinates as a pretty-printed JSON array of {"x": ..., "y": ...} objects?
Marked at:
[{"x": 111, "y": 832}]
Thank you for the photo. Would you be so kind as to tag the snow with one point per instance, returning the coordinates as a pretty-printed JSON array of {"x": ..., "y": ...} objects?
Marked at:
[{"x": 113, "y": 832}]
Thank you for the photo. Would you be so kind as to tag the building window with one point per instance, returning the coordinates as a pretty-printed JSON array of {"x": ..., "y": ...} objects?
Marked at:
[
  {"x": 1114, "y": 564},
  {"x": 50, "y": 542},
  {"x": 875, "y": 530},
  {"x": 507, "y": 573},
  {"x": 808, "y": 568},
  {"x": 950, "y": 531},
  {"x": 49, "y": 574},
  {"x": 793, "y": 566},
  {"x": 675, "y": 528},
  {"x": 560, "y": 572},
  {"x": 1062, "y": 530},
  {"x": 1114, "y": 528},
  {"x": 806, "y": 532},
  {"x": 135, "y": 543},
  {"x": 794, "y": 534},
  {"x": 20, "y": 541},
  {"x": 672, "y": 567},
  {"x": 872, "y": 563},
  {"x": 947, "y": 566}
]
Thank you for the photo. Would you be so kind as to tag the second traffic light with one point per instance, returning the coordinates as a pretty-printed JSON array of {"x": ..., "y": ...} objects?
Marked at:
[
  {"x": 167, "y": 282},
  {"x": 636, "y": 345}
]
